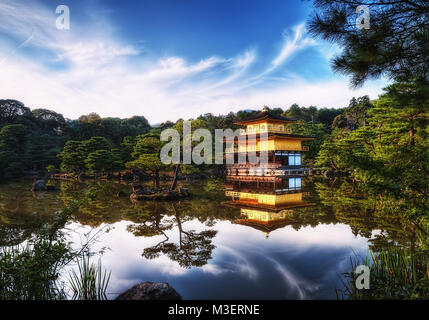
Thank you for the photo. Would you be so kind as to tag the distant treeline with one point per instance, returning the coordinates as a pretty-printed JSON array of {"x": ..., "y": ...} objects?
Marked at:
[{"x": 34, "y": 140}]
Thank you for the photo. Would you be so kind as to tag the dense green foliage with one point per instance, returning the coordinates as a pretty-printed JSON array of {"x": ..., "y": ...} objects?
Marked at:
[
  {"x": 386, "y": 147},
  {"x": 31, "y": 272},
  {"x": 313, "y": 114},
  {"x": 33, "y": 139}
]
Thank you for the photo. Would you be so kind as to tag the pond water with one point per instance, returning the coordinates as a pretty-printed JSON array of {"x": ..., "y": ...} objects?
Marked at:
[{"x": 202, "y": 247}]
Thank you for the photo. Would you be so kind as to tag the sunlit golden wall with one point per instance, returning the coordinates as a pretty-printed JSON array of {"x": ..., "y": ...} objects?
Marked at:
[
  {"x": 269, "y": 199},
  {"x": 264, "y": 215},
  {"x": 272, "y": 145}
]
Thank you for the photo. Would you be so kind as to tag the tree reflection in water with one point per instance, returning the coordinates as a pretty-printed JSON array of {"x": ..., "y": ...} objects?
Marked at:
[{"x": 193, "y": 248}]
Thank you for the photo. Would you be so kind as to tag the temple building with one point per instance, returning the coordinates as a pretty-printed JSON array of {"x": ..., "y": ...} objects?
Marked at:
[{"x": 284, "y": 150}]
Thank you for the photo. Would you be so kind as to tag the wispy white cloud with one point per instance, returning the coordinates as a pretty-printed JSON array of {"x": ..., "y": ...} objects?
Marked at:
[
  {"x": 244, "y": 60},
  {"x": 239, "y": 66},
  {"x": 294, "y": 40},
  {"x": 19, "y": 19},
  {"x": 292, "y": 281},
  {"x": 176, "y": 68},
  {"x": 82, "y": 45},
  {"x": 291, "y": 46},
  {"x": 94, "y": 53}
]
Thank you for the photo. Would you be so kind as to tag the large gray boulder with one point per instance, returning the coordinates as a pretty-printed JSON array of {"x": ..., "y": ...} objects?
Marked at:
[{"x": 150, "y": 291}]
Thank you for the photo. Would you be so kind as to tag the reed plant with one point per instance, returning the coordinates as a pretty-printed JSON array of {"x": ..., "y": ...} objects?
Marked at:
[
  {"x": 90, "y": 282},
  {"x": 395, "y": 273}
]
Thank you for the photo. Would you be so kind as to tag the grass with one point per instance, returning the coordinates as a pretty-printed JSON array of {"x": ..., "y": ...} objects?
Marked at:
[
  {"x": 90, "y": 282},
  {"x": 395, "y": 273}
]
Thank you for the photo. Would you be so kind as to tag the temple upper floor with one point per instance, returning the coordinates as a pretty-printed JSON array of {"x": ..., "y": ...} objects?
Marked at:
[{"x": 266, "y": 127}]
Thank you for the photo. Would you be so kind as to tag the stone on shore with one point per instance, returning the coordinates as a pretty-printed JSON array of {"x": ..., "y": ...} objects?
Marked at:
[{"x": 150, "y": 291}]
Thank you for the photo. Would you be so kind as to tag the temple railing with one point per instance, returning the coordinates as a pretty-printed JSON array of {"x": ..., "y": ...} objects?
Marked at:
[{"x": 269, "y": 130}]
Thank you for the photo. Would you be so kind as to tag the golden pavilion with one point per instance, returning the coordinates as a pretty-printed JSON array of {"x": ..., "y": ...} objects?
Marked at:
[{"x": 284, "y": 149}]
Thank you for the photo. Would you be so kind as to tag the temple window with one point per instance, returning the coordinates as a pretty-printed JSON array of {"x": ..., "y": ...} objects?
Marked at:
[
  {"x": 294, "y": 159},
  {"x": 294, "y": 183}
]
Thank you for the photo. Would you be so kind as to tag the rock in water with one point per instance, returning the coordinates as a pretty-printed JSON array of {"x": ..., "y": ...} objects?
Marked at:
[
  {"x": 39, "y": 185},
  {"x": 150, "y": 291}
]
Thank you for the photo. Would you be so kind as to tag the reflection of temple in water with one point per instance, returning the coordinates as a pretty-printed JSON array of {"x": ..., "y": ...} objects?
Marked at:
[
  {"x": 268, "y": 194},
  {"x": 264, "y": 208}
]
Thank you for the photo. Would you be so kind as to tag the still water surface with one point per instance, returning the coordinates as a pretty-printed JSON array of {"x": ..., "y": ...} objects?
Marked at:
[{"x": 200, "y": 246}]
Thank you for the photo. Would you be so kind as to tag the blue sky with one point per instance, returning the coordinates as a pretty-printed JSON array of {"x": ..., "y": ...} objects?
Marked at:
[{"x": 167, "y": 59}]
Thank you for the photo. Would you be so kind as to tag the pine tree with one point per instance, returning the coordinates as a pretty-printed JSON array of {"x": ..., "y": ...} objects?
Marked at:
[{"x": 395, "y": 45}]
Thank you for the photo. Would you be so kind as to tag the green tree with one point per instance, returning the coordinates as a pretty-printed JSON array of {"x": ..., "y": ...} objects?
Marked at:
[
  {"x": 91, "y": 145},
  {"x": 101, "y": 161},
  {"x": 312, "y": 114},
  {"x": 404, "y": 108},
  {"x": 13, "y": 140},
  {"x": 42, "y": 150},
  {"x": 318, "y": 131},
  {"x": 92, "y": 117},
  {"x": 395, "y": 45},
  {"x": 12, "y": 111},
  {"x": 49, "y": 120},
  {"x": 72, "y": 157},
  {"x": 355, "y": 115},
  {"x": 188, "y": 168},
  {"x": 13, "y": 137},
  {"x": 146, "y": 157},
  {"x": 135, "y": 126},
  {"x": 75, "y": 154},
  {"x": 127, "y": 148}
]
